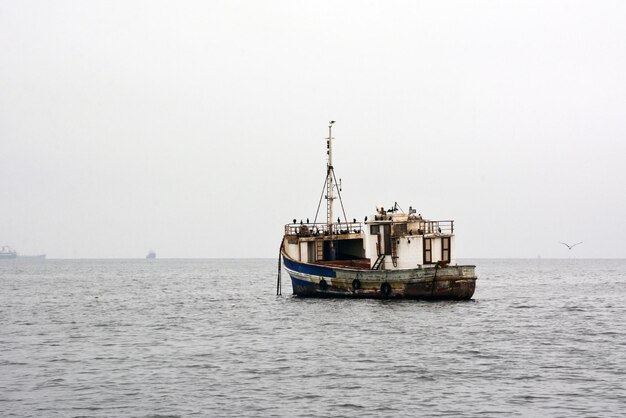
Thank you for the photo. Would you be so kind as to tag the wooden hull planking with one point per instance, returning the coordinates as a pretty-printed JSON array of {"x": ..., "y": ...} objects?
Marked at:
[{"x": 429, "y": 283}]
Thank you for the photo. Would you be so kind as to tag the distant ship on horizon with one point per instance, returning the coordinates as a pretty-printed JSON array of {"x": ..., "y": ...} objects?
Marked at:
[
  {"x": 151, "y": 255},
  {"x": 8, "y": 253}
]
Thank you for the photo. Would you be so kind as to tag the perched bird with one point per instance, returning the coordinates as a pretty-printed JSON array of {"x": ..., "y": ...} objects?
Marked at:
[
  {"x": 294, "y": 221},
  {"x": 569, "y": 247},
  {"x": 365, "y": 220},
  {"x": 439, "y": 229},
  {"x": 300, "y": 221},
  {"x": 338, "y": 220},
  {"x": 354, "y": 220},
  {"x": 307, "y": 220}
]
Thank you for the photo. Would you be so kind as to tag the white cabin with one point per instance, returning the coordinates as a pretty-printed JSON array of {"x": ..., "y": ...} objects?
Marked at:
[{"x": 388, "y": 240}]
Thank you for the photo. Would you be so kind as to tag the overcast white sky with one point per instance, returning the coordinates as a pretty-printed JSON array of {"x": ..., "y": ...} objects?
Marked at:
[{"x": 197, "y": 128}]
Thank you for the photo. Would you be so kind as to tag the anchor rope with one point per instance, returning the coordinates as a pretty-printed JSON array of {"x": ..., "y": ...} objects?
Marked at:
[
  {"x": 432, "y": 285},
  {"x": 278, "y": 280}
]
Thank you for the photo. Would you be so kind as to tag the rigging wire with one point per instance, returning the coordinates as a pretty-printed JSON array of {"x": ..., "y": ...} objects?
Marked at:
[
  {"x": 320, "y": 202},
  {"x": 345, "y": 218}
]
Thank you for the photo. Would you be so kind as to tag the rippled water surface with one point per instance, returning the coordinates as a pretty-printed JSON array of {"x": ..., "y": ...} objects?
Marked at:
[{"x": 209, "y": 338}]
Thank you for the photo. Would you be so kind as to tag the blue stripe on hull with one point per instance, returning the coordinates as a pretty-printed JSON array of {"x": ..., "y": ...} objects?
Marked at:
[
  {"x": 308, "y": 268},
  {"x": 301, "y": 287},
  {"x": 308, "y": 289}
]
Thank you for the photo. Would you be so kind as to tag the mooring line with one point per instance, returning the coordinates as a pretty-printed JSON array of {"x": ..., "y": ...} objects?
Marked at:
[
  {"x": 279, "y": 291},
  {"x": 432, "y": 285}
]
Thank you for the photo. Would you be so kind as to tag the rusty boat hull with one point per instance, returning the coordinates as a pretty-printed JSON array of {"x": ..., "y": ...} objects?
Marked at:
[{"x": 436, "y": 282}]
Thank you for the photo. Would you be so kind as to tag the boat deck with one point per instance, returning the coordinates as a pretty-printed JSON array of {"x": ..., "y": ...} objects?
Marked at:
[{"x": 360, "y": 264}]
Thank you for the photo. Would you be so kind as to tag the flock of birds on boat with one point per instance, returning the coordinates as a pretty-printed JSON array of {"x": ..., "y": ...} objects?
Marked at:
[{"x": 569, "y": 246}]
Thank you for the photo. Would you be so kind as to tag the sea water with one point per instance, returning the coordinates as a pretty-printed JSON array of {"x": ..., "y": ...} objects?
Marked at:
[{"x": 157, "y": 338}]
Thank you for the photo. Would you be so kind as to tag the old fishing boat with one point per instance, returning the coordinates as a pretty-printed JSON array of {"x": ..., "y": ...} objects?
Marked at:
[{"x": 391, "y": 254}]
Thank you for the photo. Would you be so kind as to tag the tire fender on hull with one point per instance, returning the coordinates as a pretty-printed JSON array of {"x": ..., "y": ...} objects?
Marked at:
[{"x": 385, "y": 289}]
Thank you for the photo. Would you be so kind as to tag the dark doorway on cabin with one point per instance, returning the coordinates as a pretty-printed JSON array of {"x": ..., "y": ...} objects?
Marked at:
[
  {"x": 345, "y": 249},
  {"x": 386, "y": 233},
  {"x": 310, "y": 250}
]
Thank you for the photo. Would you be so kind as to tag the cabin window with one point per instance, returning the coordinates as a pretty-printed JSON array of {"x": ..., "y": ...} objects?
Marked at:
[
  {"x": 445, "y": 249},
  {"x": 374, "y": 229},
  {"x": 400, "y": 229},
  {"x": 428, "y": 251}
]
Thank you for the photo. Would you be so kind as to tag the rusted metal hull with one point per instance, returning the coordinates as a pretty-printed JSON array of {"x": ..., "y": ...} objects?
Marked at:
[{"x": 434, "y": 283}]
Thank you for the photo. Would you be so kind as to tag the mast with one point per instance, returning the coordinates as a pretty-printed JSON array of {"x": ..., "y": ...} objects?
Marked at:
[{"x": 330, "y": 187}]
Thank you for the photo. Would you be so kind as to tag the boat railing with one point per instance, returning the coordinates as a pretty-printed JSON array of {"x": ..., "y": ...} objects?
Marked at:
[
  {"x": 424, "y": 227},
  {"x": 434, "y": 227},
  {"x": 318, "y": 229}
]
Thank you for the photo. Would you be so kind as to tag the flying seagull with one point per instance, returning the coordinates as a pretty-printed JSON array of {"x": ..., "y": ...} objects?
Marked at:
[{"x": 569, "y": 247}]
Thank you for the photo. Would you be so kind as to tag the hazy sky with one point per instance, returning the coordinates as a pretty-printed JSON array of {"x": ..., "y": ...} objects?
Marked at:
[{"x": 197, "y": 128}]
